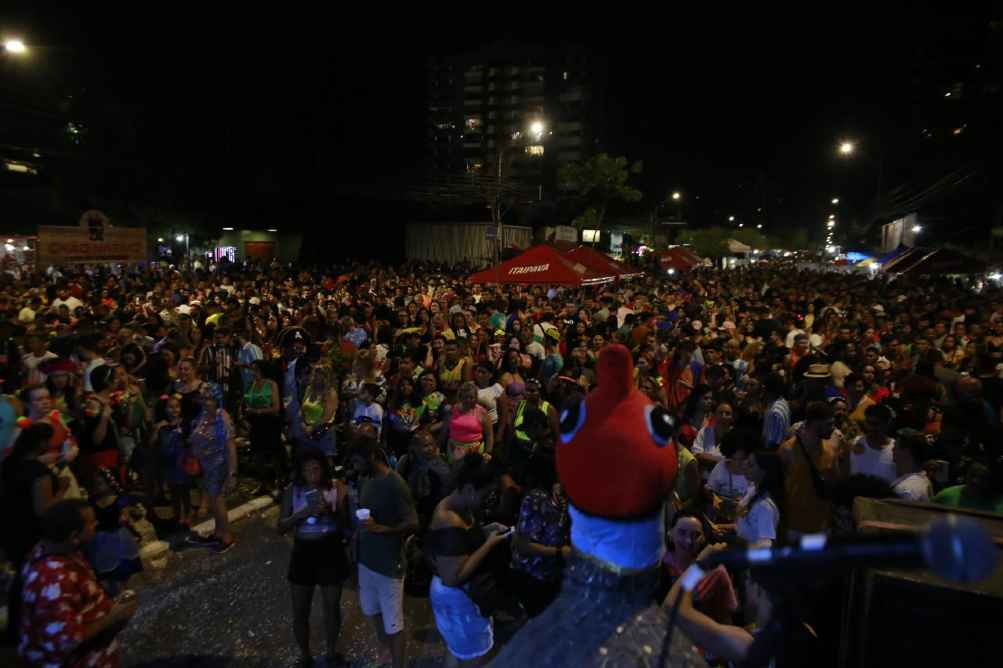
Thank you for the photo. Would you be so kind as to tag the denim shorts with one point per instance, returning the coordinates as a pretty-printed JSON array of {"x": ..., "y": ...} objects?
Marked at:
[{"x": 468, "y": 635}]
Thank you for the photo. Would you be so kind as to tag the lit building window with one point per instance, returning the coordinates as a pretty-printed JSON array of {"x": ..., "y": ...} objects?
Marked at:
[
  {"x": 534, "y": 150},
  {"x": 473, "y": 123}
]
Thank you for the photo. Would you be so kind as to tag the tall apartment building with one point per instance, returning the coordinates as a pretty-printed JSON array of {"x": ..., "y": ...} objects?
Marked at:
[{"x": 477, "y": 102}]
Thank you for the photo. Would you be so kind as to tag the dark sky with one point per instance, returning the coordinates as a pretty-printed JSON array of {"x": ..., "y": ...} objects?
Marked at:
[{"x": 255, "y": 111}]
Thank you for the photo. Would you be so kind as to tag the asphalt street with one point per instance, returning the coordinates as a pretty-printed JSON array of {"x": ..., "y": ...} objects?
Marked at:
[{"x": 233, "y": 609}]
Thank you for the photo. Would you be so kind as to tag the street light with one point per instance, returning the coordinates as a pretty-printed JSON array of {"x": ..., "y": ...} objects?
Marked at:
[
  {"x": 835, "y": 200},
  {"x": 677, "y": 195},
  {"x": 536, "y": 129},
  {"x": 741, "y": 224},
  {"x": 160, "y": 240},
  {"x": 180, "y": 238},
  {"x": 847, "y": 148},
  {"x": 917, "y": 228},
  {"x": 759, "y": 227},
  {"x": 15, "y": 46},
  {"x": 832, "y": 216},
  {"x": 731, "y": 219}
]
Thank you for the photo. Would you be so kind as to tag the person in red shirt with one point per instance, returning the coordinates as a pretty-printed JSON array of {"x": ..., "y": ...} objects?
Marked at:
[{"x": 66, "y": 618}]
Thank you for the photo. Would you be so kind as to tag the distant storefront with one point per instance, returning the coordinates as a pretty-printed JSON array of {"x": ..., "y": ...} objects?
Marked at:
[{"x": 94, "y": 240}]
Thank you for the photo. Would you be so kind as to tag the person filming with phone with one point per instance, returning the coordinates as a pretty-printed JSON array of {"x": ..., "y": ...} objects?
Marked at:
[
  {"x": 315, "y": 509},
  {"x": 463, "y": 593}
]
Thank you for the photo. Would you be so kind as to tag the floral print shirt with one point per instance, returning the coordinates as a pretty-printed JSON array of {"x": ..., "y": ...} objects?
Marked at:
[
  {"x": 61, "y": 598},
  {"x": 543, "y": 520}
]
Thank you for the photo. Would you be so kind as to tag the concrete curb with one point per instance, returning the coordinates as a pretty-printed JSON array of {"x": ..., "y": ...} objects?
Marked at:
[{"x": 158, "y": 548}]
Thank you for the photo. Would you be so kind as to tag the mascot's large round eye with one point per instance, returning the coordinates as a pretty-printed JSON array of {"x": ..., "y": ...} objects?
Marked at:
[
  {"x": 661, "y": 426},
  {"x": 572, "y": 419}
]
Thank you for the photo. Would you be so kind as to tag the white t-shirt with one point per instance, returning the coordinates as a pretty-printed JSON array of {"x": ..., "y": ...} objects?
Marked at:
[
  {"x": 706, "y": 443},
  {"x": 536, "y": 350},
  {"x": 488, "y": 397},
  {"x": 621, "y": 315},
  {"x": 868, "y": 461},
  {"x": 729, "y": 485},
  {"x": 913, "y": 487},
  {"x": 791, "y": 335},
  {"x": 71, "y": 303},
  {"x": 93, "y": 364},
  {"x": 31, "y": 366},
  {"x": 760, "y": 523}
]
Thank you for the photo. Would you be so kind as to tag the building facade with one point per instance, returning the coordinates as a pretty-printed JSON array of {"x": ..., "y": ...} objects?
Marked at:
[{"x": 536, "y": 107}]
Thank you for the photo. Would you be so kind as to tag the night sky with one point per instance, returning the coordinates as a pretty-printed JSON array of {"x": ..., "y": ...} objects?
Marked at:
[{"x": 271, "y": 114}]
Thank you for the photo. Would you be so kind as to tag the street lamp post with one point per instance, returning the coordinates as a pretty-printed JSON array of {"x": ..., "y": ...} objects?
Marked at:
[
  {"x": 536, "y": 130},
  {"x": 184, "y": 238},
  {"x": 848, "y": 148}
]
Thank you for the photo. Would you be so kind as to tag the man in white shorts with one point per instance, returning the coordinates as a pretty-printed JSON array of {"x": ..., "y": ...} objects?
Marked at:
[{"x": 379, "y": 546}]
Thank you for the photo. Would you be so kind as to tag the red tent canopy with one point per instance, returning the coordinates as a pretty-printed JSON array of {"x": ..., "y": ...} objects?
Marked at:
[
  {"x": 601, "y": 263},
  {"x": 678, "y": 258},
  {"x": 541, "y": 264}
]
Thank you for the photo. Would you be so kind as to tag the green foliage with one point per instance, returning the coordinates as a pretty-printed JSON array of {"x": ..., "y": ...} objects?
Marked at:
[
  {"x": 750, "y": 237},
  {"x": 707, "y": 242},
  {"x": 598, "y": 181},
  {"x": 796, "y": 239},
  {"x": 587, "y": 220}
]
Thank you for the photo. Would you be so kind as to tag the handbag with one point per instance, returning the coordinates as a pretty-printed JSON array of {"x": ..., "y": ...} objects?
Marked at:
[{"x": 190, "y": 463}]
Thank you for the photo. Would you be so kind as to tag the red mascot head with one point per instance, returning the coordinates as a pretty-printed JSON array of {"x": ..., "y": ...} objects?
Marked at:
[{"x": 617, "y": 462}]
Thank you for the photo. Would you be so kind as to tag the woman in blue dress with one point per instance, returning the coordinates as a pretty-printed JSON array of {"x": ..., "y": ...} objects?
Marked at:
[{"x": 212, "y": 441}]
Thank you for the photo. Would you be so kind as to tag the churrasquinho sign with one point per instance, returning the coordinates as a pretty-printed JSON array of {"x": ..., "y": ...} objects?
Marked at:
[{"x": 94, "y": 240}]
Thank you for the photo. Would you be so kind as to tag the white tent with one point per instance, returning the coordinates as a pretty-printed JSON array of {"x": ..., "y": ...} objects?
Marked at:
[{"x": 735, "y": 246}]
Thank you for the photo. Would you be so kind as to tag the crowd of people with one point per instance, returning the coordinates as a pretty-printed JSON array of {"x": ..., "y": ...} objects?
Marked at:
[{"x": 412, "y": 418}]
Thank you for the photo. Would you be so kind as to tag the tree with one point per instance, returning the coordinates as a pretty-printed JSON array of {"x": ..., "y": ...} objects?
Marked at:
[
  {"x": 752, "y": 238},
  {"x": 597, "y": 182},
  {"x": 707, "y": 242},
  {"x": 796, "y": 239}
]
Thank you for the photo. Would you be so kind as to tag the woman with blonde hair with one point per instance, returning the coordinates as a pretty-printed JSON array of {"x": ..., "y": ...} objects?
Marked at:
[
  {"x": 320, "y": 409},
  {"x": 470, "y": 429}
]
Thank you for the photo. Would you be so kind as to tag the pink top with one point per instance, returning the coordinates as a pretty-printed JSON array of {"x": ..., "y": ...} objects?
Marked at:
[{"x": 467, "y": 427}]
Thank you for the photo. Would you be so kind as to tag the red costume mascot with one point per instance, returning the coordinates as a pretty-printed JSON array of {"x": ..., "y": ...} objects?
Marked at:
[{"x": 617, "y": 462}]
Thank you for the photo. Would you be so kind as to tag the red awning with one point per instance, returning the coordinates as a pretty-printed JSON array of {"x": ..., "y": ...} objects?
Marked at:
[
  {"x": 601, "y": 263},
  {"x": 541, "y": 264},
  {"x": 678, "y": 258}
]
